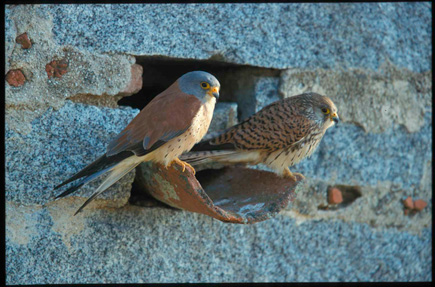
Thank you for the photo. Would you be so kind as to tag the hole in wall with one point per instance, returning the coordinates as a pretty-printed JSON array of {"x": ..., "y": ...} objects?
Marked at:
[
  {"x": 160, "y": 72},
  {"x": 140, "y": 197},
  {"x": 349, "y": 193}
]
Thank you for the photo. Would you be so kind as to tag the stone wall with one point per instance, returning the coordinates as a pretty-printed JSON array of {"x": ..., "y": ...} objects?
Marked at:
[{"x": 77, "y": 74}]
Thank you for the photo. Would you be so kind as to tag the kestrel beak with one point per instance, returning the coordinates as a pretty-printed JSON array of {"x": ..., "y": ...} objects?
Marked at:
[
  {"x": 214, "y": 91},
  {"x": 335, "y": 118}
]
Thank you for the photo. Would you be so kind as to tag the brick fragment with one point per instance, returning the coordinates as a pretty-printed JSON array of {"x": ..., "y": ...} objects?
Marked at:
[
  {"x": 135, "y": 84},
  {"x": 24, "y": 40},
  {"x": 15, "y": 78},
  {"x": 335, "y": 196},
  {"x": 408, "y": 203},
  {"x": 56, "y": 68},
  {"x": 419, "y": 204}
]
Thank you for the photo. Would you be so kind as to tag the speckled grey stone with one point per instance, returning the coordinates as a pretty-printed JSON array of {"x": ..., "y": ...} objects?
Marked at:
[
  {"x": 60, "y": 144},
  {"x": 224, "y": 116},
  {"x": 10, "y": 35},
  {"x": 87, "y": 73},
  {"x": 275, "y": 35},
  {"x": 264, "y": 91},
  {"x": 135, "y": 245},
  {"x": 369, "y": 99},
  {"x": 348, "y": 155},
  {"x": 114, "y": 242}
]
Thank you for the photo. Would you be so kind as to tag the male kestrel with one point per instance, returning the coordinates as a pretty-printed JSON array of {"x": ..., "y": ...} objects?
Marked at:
[
  {"x": 280, "y": 135},
  {"x": 169, "y": 125}
]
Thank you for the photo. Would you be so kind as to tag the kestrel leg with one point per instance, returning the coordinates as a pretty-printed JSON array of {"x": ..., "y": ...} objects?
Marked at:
[
  {"x": 292, "y": 175},
  {"x": 183, "y": 164}
]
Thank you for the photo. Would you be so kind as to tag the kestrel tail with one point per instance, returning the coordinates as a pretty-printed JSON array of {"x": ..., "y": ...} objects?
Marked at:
[
  {"x": 169, "y": 125},
  {"x": 280, "y": 135}
]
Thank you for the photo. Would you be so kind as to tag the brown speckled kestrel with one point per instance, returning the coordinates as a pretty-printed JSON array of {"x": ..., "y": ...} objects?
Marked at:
[
  {"x": 169, "y": 125},
  {"x": 280, "y": 135}
]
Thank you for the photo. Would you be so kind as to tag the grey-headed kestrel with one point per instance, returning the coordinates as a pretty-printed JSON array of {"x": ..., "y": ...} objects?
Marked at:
[
  {"x": 279, "y": 135},
  {"x": 169, "y": 125}
]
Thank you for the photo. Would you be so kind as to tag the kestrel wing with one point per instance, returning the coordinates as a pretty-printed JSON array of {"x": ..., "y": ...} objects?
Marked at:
[
  {"x": 276, "y": 126},
  {"x": 167, "y": 116}
]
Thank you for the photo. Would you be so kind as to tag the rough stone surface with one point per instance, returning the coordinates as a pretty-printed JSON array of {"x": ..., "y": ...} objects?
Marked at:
[
  {"x": 372, "y": 59},
  {"x": 134, "y": 245},
  {"x": 61, "y": 143},
  {"x": 348, "y": 155},
  {"x": 97, "y": 100},
  {"x": 10, "y": 35},
  {"x": 373, "y": 100},
  {"x": 224, "y": 116},
  {"x": 136, "y": 81},
  {"x": 88, "y": 73},
  {"x": 266, "y": 35},
  {"x": 380, "y": 207},
  {"x": 263, "y": 91}
]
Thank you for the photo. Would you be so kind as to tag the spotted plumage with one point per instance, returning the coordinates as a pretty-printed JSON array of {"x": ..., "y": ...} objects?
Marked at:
[
  {"x": 169, "y": 125},
  {"x": 280, "y": 135}
]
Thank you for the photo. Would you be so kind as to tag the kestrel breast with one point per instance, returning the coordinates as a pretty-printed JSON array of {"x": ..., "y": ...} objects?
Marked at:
[
  {"x": 289, "y": 156},
  {"x": 184, "y": 142}
]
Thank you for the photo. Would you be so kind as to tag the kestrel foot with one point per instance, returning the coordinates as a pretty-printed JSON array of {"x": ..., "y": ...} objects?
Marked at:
[
  {"x": 293, "y": 175},
  {"x": 183, "y": 164}
]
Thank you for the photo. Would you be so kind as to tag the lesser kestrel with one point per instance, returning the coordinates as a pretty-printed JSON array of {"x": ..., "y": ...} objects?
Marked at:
[
  {"x": 280, "y": 135},
  {"x": 169, "y": 125}
]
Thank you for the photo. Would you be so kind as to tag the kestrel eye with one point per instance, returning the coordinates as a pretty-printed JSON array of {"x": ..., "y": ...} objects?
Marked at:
[
  {"x": 325, "y": 111},
  {"x": 205, "y": 85}
]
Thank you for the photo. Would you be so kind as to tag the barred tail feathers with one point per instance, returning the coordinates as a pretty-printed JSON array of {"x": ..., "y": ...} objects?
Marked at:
[
  {"x": 221, "y": 156},
  {"x": 196, "y": 158}
]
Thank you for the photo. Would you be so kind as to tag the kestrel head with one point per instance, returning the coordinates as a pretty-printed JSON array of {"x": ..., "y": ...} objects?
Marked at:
[
  {"x": 201, "y": 84},
  {"x": 323, "y": 109}
]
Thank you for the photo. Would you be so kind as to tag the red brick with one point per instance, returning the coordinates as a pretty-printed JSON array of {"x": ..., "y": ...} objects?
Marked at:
[
  {"x": 408, "y": 203},
  {"x": 15, "y": 78},
  {"x": 135, "y": 84},
  {"x": 335, "y": 196},
  {"x": 24, "y": 40},
  {"x": 419, "y": 204},
  {"x": 56, "y": 68}
]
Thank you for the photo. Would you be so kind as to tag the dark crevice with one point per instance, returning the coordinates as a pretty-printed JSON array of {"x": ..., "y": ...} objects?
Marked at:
[
  {"x": 349, "y": 193},
  {"x": 206, "y": 176},
  {"x": 140, "y": 197},
  {"x": 160, "y": 72},
  {"x": 96, "y": 100}
]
